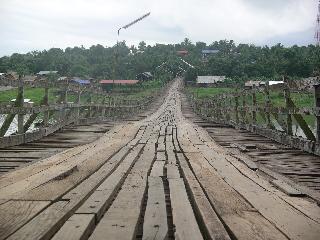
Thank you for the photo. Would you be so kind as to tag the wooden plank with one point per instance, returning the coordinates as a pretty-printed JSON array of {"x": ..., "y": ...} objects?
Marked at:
[
  {"x": 209, "y": 220},
  {"x": 57, "y": 187},
  {"x": 250, "y": 164},
  {"x": 285, "y": 187},
  {"x": 169, "y": 130},
  {"x": 121, "y": 220},
  {"x": 36, "y": 186},
  {"x": 163, "y": 130},
  {"x": 171, "y": 157},
  {"x": 242, "y": 148},
  {"x": 78, "y": 227},
  {"x": 161, "y": 147},
  {"x": 169, "y": 145},
  {"x": 157, "y": 169},
  {"x": 45, "y": 224},
  {"x": 161, "y": 156},
  {"x": 234, "y": 210},
  {"x": 155, "y": 225},
  {"x": 186, "y": 226},
  {"x": 103, "y": 196},
  {"x": 292, "y": 222},
  {"x": 309, "y": 208},
  {"x": 245, "y": 159},
  {"x": 53, "y": 217},
  {"x": 14, "y": 214},
  {"x": 172, "y": 171}
]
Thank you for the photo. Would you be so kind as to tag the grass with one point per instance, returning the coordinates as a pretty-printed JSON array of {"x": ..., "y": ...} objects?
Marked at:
[
  {"x": 202, "y": 93},
  {"x": 139, "y": 91},
  {"x": 36, "y": 94},
  {"x": 276, "y": 97}
]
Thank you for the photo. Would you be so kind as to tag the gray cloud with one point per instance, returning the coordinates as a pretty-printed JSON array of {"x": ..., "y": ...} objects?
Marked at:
[{"x": 42, "y": 24}]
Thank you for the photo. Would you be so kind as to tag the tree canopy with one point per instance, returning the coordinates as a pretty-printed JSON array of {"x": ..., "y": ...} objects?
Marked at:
[{"x": 122, "y": 61}]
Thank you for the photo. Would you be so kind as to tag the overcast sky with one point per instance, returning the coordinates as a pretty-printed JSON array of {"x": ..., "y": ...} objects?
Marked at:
[{"x": 27, "y": 25}]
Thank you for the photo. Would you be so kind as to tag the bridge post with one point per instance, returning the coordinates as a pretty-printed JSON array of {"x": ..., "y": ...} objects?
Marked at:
[
  {"x": 268, "y": 106},
  {"x": 254, "y": 105},
  {"x": 288, "y": 107},
  {"x": 90, "y": 102},
  {"x": 46, "y": 103},
  {"x": 244, "y": 104},
  {"x": 225, "y": 104},
  {"x": 317, "y": 104},
  {"x": 20, "y": 102},
  {"x": 78, "y": 101},
  {"x": 236, "y": 107},
  {"x": 103, "y": 111}
]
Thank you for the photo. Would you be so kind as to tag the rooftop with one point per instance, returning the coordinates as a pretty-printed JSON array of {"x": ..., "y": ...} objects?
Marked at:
[
  {"x": 81, "y": 81},
  {"x": 210, "y": 79},
  {"x": 208, "y": 51},
  {"x": 47, "y": 72},
  {"x": 275, "y": 82},
  {"x": 119, "y": 81}
]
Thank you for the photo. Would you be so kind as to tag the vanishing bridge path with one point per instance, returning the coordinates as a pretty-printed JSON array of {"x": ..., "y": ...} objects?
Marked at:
[{"x": 162, "y": 177}]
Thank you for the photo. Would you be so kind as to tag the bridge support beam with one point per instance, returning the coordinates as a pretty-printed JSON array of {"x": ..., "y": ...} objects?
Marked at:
[
  {"x": 317, "y": 104},
  {"x": 254, "y": 104},
  {"x": 289, "y": 107},
  {"x": 46, "y": 114}
]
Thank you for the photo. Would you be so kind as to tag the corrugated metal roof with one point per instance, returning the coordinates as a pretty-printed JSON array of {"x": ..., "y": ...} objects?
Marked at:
[
  {"x": 210, "y": 79},
  {"x": 119, "y": 81},
  {"x": 148, "y": 74},
  {"x": 81, "y": 81},
  {"x": 275, "y": 82},
  {"x": 47, "y": 72},
  {"x": 254, "y": 83},
  {"x": 208, "y": 51}
]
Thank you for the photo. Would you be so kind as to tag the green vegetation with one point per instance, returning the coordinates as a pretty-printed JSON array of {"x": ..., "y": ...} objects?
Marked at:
[
  {"x": 35, "y": 94},
  {"x": 276, "y": 97},
  {"x": 301, "y": 100},
  {"x": 238, "y": 62},
  {"x": 202, "y": 93},
  {"x": 120, "y": 92}
]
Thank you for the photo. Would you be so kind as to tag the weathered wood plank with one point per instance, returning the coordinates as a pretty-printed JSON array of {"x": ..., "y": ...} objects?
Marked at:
[
  {"x": 115, "y": 224},
  {"x": 161, "y": 156},
  {"x": 37, "y": 177},
  {"x": 172, "y": 171},
  {"x": 234, "y": 210},
  {"x": 157, "y": 169},
  {"x": 155, "y": 225},
  {"x": 209, "y": 220},
  {"x": 292, "y": 222},
  {"x": 286, "y": 188},
  {"x": 103, "y": 196},
  {"x": 46, "y": 224},
  {"x": 186, "y": 226},
  {"x": 305, "y": 205},
  {"x": 14, "y": 214},
  {"x": 77, "y": 227}
]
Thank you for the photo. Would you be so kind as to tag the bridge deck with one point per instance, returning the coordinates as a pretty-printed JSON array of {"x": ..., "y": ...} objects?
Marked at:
[{"x": 159, "y": 178}]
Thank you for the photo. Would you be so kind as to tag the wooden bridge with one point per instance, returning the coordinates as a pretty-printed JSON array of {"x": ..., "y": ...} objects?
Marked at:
[{"x": 161, "y": 177}]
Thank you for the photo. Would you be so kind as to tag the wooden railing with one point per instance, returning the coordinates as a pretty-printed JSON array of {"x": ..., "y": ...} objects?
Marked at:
[
  {"x": 52, "y": 116},
  {"x": 241, "y": 109}
]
